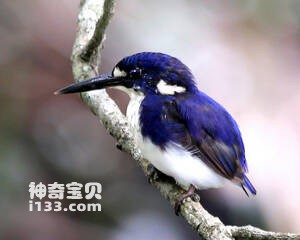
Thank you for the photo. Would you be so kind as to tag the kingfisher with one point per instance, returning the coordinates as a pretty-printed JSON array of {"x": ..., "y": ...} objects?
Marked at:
[{"x": 184, "y": 133}]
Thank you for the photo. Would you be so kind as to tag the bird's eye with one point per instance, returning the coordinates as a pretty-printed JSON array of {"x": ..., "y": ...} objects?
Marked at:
[{"x": 135, "y": 73}]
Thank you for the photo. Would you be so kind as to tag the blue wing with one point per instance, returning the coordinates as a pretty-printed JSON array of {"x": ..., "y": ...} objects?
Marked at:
[{"x": 203, "y": 127}]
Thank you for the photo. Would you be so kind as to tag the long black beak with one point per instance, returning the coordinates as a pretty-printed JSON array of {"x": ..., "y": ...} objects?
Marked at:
[{"x": 102, "y": 81}]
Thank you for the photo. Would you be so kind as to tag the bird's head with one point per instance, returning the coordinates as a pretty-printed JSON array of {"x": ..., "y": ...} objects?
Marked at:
[{"x": 142, "y": 73}]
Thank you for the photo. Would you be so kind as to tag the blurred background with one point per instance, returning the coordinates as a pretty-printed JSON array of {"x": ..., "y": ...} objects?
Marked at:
[{"x": 245, "y": 54}]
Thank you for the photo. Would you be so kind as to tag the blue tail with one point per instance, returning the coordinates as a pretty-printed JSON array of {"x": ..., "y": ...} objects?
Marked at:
[{"x": 248, "y": 185}]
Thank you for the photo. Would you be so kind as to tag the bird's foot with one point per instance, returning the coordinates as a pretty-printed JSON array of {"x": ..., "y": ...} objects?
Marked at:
[
  {"x": 189, "y": 193},
  {"x": 155, "y": 174}
]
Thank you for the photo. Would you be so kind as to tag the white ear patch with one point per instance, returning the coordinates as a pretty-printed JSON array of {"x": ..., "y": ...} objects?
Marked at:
[
  {"x": 118, "y": 73},
  {"x": 166, "y": 89}
]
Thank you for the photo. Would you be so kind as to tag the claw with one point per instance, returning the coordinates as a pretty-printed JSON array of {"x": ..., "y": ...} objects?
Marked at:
[{"x": 188, "y": 193}]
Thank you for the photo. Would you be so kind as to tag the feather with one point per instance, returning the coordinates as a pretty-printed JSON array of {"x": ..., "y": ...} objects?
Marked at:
[{"x": 202, "y": 127}]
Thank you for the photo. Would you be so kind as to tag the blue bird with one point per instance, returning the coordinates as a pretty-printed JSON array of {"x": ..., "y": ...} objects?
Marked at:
[{"x": 183, "y": 132}]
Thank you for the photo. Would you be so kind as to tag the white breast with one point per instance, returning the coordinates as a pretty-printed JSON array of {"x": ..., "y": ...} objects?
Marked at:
[
  {"x": 174, "y": 161},
  {"x": 185, "y": 168},
  {"x": 133, "y": 115}
]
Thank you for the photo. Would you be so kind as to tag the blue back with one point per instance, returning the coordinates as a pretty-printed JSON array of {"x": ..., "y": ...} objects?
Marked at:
[{"x": 199, "y": 124}]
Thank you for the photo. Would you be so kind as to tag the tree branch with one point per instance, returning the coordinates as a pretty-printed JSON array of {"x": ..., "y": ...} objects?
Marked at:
[
  {"x": 250, "y": 232},
  {"x": 93, "y": 19}
]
